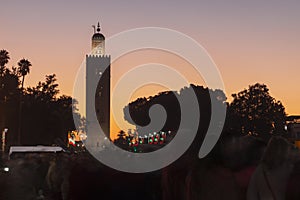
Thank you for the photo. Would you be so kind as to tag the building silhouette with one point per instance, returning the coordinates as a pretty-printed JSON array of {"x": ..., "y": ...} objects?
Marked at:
[
  {"x": 293, "y": 129},
  {"x": 98, "y": 86}
]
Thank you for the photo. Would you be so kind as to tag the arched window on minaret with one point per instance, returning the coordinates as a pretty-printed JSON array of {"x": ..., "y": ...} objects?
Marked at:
[{"x": 98, "y": 42}]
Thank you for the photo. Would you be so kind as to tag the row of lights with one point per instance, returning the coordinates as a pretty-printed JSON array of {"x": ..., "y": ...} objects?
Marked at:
[{"x": 152, "y": 138}]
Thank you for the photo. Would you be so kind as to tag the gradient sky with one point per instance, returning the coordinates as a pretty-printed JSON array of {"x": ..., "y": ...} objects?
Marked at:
[{"x": 250, "y": 41}]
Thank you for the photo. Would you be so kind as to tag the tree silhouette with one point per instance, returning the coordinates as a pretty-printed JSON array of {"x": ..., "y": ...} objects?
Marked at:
[
  {"x": 4, "y": 58},
  {"x": 45, "y": 91},
  {"x": 46, "y": 118},
  {"x": 121, "y": 134},
  {"x": 24, "y": 69},
  {"x": 254, "y": 111},
  {"x": 9, "y": 94},
  {"x": 121, "y": 140},
  {"x": 138, "y": 111}
]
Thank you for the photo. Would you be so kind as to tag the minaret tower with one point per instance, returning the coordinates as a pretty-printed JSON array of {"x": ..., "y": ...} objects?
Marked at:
[{"x": 98, "y": 86}]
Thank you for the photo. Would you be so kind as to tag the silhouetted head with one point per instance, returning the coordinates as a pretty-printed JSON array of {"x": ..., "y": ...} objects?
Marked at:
[{"x": 277, "y": 152}]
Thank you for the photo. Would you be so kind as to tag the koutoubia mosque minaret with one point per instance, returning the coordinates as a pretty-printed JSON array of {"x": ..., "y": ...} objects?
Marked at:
[{"x": 98, "y": 85}]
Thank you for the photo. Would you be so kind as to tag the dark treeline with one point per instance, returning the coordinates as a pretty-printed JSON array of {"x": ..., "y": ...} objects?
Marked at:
[
  {"x": 252, "y": 111},
  {"x": 33, "y": 115},
  {"x": 138, "y": 110}
]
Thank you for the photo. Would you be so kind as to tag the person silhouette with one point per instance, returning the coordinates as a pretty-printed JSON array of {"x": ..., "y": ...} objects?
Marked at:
[
  {"x": 270, "y": 178},
  {"x": 40, "y": 195}
]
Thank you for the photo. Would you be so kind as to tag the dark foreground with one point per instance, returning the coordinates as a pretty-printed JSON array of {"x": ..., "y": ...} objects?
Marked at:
[{"x": 80, "y": 176}]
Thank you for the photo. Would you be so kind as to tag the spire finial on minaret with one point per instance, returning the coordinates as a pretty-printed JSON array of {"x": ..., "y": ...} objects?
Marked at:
[{"x": 98, "y": 27}]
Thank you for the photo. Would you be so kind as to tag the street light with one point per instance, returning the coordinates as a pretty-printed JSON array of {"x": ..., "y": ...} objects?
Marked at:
[{"x": 5, "y": 130}]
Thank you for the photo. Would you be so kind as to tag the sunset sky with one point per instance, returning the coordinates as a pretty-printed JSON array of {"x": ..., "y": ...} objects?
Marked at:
[{"x": 250, "y": 41}]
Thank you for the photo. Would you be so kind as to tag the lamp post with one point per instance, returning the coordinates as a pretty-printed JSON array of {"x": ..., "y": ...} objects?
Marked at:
[{"x": 5, "y": 130}]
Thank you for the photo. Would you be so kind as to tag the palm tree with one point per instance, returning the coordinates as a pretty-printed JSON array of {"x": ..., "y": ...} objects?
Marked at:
[
  {"x": 4, "y": 58},
  {"x": 121, "y": 134},
  {"x": 24, "y": 69},
  {"x": 121, "y": 141}
]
